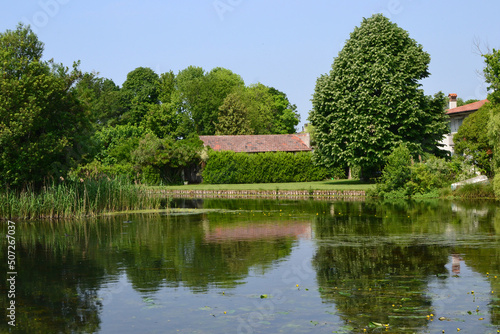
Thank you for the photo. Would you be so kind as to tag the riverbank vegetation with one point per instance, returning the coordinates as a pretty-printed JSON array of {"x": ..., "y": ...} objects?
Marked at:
[
  {"x": 431, "y": 177},
  {"x": 75, "y": 198},
  {"x": 63, "y": 125},
  {"x": 55, "y": 122}
]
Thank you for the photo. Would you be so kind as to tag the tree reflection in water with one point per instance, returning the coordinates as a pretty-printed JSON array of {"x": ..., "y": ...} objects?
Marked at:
[{"x": 374, "y": 262}]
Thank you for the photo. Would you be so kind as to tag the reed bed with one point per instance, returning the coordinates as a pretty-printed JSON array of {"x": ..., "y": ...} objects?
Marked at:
[
  {"x": 71, "y": 199},
  {"x": 475, "y": 191}
]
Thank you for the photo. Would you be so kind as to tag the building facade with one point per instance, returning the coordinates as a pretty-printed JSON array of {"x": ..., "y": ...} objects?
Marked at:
[{"x": 456, "y": 117}]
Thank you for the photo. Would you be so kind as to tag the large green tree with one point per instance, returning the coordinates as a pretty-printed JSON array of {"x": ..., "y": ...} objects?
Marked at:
[
  {"x": 371, "y": 100},
  {"x": 257, "y": 109},
  {"x": 41, "y": 120},
  {"x": 203, "y": 93},
  {"x": 138, "y": 92},
  {"x": 233, "y": 117},
  {"x": 285, "y": 114},
  {"x": 101, "y": 99},
  {"x": 168, "y": 118},
  {"x": 492, "y": 76}
]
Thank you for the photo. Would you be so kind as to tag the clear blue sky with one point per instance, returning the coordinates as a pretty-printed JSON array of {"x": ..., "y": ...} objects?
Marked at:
[{"x": 284, "y": 44}]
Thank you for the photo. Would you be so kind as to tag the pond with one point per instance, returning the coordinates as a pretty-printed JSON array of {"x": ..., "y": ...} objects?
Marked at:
[{"x": 260, "y": 266}]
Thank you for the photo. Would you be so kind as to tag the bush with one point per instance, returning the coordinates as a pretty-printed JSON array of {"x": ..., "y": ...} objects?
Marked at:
[
  {"x": 433, "y": 174},
  {"x": 227, "y": 167},
  {"x": 401, "y": 178},
  {"x": 397, "y": 170},
  {"x": 163, "y": 161},
  {"x": 97, "y": 169}
]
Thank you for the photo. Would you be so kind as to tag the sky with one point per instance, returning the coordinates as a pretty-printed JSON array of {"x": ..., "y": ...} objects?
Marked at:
[{"x": 283, "y": 44}]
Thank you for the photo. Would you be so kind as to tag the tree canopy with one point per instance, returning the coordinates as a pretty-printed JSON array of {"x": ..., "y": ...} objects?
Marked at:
[
  {"x": 203, "y": 93},
  {"x": 371, "y": 100},
  {"x": 151, "y": 109},
  {"x": 492, "y": 75},
  {"x": 101, "y": 99},
  {"x": 257, "y": 109},
  {"x": 42, "y": 122},
  {"x": 193, "y": 101}
]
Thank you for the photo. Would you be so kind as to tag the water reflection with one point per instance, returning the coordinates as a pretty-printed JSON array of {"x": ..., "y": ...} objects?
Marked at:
[
  {"x": 358, "y": 265},
  {"x": 370, "y": 264},
  {"x": 268, "y": 230}
]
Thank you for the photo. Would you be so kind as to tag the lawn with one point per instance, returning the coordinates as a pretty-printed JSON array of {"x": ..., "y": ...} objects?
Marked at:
[{"x": 319, "y": 185}]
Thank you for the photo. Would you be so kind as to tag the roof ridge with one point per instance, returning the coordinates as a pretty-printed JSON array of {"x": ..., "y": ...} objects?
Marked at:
[
  {"x": 257, "y": 143},
  {"x": 467, "y": 107}
]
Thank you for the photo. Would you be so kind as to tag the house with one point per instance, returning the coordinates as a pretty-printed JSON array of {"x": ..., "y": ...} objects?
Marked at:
[
  {"x": 259, "y": 143},
  {"x": 457, "y": 116}
]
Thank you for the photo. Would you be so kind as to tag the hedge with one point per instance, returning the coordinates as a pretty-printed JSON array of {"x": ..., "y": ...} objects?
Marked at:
[{"x": 227, "y": 167}]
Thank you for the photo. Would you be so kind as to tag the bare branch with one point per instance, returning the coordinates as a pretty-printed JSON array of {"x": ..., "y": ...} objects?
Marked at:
[{"x": 478, "y": 49}]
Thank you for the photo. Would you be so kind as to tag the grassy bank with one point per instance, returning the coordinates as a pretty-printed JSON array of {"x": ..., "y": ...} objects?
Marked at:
[
  {"x": 71, "y": 199},
  {"x": 319, "y": 185}
]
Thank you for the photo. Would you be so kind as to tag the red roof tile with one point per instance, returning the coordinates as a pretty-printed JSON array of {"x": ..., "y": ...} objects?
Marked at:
[
  {"x": 467, "y": 108},
  {"x": 257, "y": 143}
]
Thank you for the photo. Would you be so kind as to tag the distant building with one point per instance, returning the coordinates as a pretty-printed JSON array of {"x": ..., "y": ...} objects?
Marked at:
[
  {"x": 457, "y": 116},
  {"x": 259, "y": 143}
]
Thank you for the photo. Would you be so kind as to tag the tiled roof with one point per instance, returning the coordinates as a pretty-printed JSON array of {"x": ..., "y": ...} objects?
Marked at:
[
  {"x": 257, "y": 143},
  {"x": 467, "y": 108}
]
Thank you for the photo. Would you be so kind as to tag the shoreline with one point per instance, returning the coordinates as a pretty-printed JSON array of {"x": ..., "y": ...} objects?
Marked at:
[{"x": 288, "y": 194}]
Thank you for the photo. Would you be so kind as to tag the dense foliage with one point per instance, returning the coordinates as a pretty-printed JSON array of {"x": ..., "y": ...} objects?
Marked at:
[
  {"x": 167, "y": 161},
  {"x": 57, "y": 123},
  {"x": 492, "y": 74},
  {"x": 403, "y": 177},
  {"x": 472, "y": 142},
  {"x": 42, "y": 123},
  {"x": 257, "y": 110},
  {"x": 371, "y": 100},
  {"x": 149, "y": 130},
  {"x": 397, "y": 171},
  {"x": 76, "y": 198},
  {"x": 227, "y": 167}
]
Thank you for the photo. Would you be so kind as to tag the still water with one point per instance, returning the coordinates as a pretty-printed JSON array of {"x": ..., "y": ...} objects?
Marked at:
[{"x": 261, "y": 266}]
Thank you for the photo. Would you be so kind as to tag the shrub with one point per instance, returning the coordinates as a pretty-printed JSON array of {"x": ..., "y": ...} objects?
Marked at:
[
  {"x": 397, "y": 170},
  {"x": 226, "y": 167},
  {"x": 162, "y": 161},
  {"x": 401, "y": 178},
  {"x": 97, "y": 169}
]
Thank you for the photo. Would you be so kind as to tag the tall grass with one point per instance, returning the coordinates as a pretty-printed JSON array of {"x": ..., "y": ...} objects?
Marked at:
[
  {"x": 475, "y": 190},
  {"x": 69, "y": 199}
]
